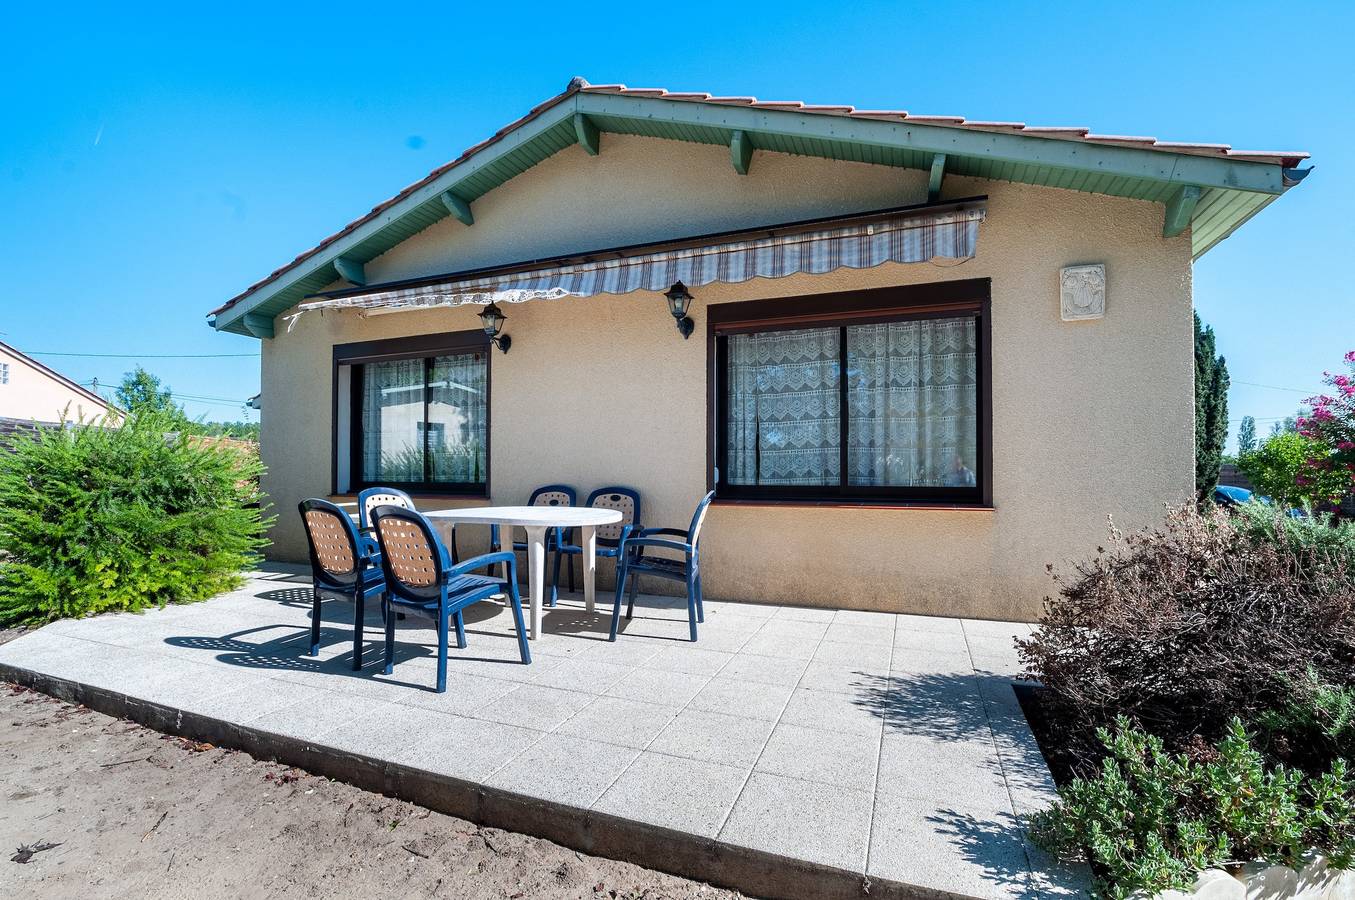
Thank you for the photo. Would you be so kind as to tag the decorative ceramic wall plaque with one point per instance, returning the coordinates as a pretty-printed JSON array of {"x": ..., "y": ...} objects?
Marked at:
[{"x": 1082, "y": 291}]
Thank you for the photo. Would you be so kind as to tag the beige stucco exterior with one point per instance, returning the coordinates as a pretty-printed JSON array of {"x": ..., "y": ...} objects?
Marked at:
[
  {"x": 34, "y": 392},
  {"x": 1089, "y": 418}
]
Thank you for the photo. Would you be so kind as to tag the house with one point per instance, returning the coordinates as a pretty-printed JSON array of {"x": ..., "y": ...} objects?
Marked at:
[
  {"x": 911, "y": 350},
  {"x": 31, "y": 392}
]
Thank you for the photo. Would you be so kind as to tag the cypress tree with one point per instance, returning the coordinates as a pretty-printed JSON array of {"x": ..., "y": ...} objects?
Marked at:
[{"x": 1211, "y": 410}]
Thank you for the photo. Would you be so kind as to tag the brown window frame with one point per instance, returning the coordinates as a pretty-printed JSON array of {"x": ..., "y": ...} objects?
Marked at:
[
  {"x": 946, "y": 299},
  {"x": 426, "y": 347}
]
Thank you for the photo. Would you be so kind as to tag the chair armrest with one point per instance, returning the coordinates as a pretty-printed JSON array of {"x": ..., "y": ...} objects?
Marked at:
[
  {"x": 674, "y": 532},
  {"x": 679, "y": 546},
  {"x": 483, "y": 561},
  {"x": 370, "y": 549}
]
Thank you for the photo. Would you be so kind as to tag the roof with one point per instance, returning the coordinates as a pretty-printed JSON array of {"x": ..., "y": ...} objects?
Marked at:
[
  {"x": 56, "y": 376},
  {"x": 1214, "y": 188}
]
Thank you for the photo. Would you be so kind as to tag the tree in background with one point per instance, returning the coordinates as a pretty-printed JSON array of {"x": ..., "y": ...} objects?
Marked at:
[
  {"x": 1211, "y": 410},
  {"x": 1246, "y": 436},
  {"x": 1287, "y": 425},
  {"x": 1330, "y": 427},
  {"x": 141, "y": 393},
  {"x": 1278, "y": 469}
]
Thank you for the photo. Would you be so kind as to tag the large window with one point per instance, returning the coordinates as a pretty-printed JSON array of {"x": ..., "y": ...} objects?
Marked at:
[
  {"x": 869, "y": 396},
  {"x": 413, "y": 414}
]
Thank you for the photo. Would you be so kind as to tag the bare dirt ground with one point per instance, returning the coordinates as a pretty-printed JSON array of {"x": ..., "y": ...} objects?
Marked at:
[{"x": 123, "y": 811}]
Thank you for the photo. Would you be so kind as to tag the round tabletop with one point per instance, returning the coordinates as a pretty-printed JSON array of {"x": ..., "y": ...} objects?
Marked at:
[{"x": 564, "y": 516}]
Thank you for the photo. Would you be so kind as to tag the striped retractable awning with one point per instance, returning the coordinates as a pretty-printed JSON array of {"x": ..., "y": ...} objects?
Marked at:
[{"x": 856, "y": 243}]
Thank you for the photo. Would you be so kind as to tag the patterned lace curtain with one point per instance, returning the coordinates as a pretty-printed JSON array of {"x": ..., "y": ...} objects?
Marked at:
[
  {"x": 456, "y": 418},
  {"x": 913, "y": 403},
  {"x": 783, "y": 408},
  {"x": 392, "y": 421}
]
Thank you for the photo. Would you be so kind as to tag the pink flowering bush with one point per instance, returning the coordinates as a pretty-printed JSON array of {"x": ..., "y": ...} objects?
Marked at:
[{"x": 1331, "y": 428}]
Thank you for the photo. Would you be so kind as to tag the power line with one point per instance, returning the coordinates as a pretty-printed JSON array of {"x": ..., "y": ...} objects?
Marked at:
[
  {"x": 143, "y": 355},
  {"x": 1275, "y": 387}
]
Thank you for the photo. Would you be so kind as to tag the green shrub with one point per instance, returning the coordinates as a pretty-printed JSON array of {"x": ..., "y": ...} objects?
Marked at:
[
  {"x": 1151, "y": 819},
  {"x": 1186, "y": 626},
  {"x": 97, "y": 518}
]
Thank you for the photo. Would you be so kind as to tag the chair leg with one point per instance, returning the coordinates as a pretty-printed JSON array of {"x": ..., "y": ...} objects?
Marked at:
[
  {"x": 315, "y": 623},
  {"x": 700, "y": 601},
  {"x": 621, "y": 575},
  {"x": 390, "y": 642},
  {"x": 691, "y": 605},
  {"x": 456, "y": 560},
  {"x": 359, "y": 613},
  {"x": 555, "y": 580},
  {"x": 460, "y": 631},
  {"x": 571, "y": 573},
  {"x": 634, "y": 589},
  {"x": 442, "y": 653},
  {"x": 515, "y": 601}
]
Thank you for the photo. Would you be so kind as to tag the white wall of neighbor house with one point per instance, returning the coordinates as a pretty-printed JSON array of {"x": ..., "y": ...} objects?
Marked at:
[
  {"x": 1090, "y": 419},
  {"x": 29, "y": 392}
]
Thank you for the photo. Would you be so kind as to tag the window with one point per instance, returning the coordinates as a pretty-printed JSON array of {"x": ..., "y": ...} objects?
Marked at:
[
  {"x": 860, "y": 397},
  {"x": 413, "y": 413},
  {"x": 4, "y": 373}
]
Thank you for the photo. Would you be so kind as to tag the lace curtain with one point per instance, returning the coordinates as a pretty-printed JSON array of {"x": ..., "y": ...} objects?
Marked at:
[
  {"x": 395, "y": 431},
  {"x": 912, "y": 413},
  {"x": 783, "y": 408},
  {"x": 912, "y": 416}
]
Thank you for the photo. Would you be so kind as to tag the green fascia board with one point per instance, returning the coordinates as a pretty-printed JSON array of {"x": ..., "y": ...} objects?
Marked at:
[
  {"x": 1231, "y": 190},
  {"x": 934, "y": 179}
]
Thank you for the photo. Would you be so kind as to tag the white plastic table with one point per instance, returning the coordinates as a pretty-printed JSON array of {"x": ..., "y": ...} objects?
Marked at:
[{"x": 536, "y": 520}]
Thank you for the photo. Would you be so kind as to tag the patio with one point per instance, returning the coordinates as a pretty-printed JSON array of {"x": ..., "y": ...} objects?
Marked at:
[{"x": 791, "y": 752}]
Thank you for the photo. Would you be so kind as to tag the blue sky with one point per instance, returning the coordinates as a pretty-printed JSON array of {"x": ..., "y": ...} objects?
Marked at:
[{"x": 153, "y": 163}]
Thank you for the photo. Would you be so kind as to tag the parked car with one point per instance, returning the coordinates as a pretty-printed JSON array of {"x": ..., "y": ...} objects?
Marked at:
[{"x": 1229, "y": 495}]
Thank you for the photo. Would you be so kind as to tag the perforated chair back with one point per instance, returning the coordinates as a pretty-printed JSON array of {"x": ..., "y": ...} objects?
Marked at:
[
  {"x": 699, "y": 519},
  {"x": 411, "y": 554},
  {"x": 624, "y": 499},
  {"x": 373, "y": 497},
  {"x": 554, "y": 495},
  {"x": 333, "y": 543}
]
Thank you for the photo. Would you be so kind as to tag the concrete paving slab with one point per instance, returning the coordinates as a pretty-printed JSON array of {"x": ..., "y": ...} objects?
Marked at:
[
  {"x": 736, "y": 697},
  {"x": 826, "y": 824},
  {"x": 852, "y": 653},
  {"x": 846, "y": 759},
  {"x": 656, "y": 686},
  {"x": 805, "y": 613},
  {"x": 826, "y": 711},
  {"x": 713, "y": 737},
  {"x": 534, "y": 706},
  {"x": 672, "y": 792},
  {"x": 689, "y": 660},
  {"x": 565, "y": 769},
  {"x": 766, "y": 669},
  {"x": 616, "y": 720},
  {"x": 766, "y": 643}
]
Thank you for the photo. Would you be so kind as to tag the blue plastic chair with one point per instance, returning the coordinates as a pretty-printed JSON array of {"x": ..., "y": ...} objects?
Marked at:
[
  {"x": 549, "y": 495},
  {"x": 609, "y": 537},
  {"x": 345, "y": 565},
  {"x": 373, "y": 497},
  {"x": 422, "y": 580},
  {"x": 633, "y": 563}
]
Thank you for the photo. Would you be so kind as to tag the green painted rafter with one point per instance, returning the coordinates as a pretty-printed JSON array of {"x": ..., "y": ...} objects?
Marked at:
[
  {"x": 259, "y": 325},
  {"x": 1180, "y": 210},
  {"x": 350, "y": 270},
  {"x": 741, "y": 151},
  {"x": 934, "y": 180},
  {"x": 457, "y": 207},
  {"x": 587, "y": 133}
]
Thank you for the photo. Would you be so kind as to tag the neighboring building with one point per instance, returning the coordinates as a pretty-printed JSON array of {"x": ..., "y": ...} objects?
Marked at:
[
  {"x": 29, "y": 391},
  {"x": 1003, "y": 312}
]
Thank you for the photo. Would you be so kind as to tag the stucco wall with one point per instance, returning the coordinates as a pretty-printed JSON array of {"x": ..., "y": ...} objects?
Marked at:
[
  {"x": 1089, "y": 418},
  {"x": 34, "y": 394}
]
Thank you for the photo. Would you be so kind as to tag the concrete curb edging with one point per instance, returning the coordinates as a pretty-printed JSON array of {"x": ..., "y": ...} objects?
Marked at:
[{"x": 753, "y": 872}]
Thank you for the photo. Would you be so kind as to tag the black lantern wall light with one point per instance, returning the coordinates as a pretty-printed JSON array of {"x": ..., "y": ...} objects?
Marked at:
[
  {"x": 679, "y": 300},
  {"x": 492, "y": 319}
]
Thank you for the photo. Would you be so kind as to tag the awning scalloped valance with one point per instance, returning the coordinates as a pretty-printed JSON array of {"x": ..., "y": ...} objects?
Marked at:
[{"x": 908, "y": 237}]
